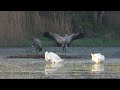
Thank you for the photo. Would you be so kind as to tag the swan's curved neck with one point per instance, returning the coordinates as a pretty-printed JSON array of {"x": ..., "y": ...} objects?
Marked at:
[{"x": 46, "y": 53}]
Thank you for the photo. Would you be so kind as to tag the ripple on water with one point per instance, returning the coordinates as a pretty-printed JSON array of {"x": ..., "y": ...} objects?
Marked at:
[{"x": 71, "y": 68}]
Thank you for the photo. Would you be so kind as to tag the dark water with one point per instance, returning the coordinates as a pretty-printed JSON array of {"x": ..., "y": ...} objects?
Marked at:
[
  {"x": 75, "y": 68},
  {"x": 109, "y": 52}
]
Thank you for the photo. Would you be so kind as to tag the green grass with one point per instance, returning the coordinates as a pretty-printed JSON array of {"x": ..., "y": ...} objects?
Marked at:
[
  {"x": 95, "y": 42},
  {"x": 19, "y": 43},
  {"x": 86, "y": 42},
  {"x": 24, "y": 43}
]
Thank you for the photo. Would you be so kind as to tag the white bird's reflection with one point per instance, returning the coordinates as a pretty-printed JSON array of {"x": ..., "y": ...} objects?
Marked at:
[
  {"x": 98, "y": 68},
  {"x": 52, "y": 67}
]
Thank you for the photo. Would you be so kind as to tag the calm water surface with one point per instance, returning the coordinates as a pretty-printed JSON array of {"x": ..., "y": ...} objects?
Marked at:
[{"x": 72, "y": 68}]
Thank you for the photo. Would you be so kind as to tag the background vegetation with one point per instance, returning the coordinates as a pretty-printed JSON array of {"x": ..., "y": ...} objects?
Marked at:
[{"x": 101, "y": 28}]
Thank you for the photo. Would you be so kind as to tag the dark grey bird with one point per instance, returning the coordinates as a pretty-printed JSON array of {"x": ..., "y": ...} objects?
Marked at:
[
  {"x": 37, "y": 44},
  {"x": 63, "y": 41}
]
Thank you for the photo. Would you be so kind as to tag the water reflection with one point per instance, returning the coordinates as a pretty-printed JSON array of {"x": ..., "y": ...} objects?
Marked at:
[
  {"x": 98, "y": 67},
  {"x": 71, "y": 68},
  {"x": 52, "y": 67}
]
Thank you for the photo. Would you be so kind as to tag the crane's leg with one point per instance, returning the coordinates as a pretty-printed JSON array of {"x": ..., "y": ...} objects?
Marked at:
[
  {"x": 37, "y": 51},
  {"x": 64, "y": 50}
]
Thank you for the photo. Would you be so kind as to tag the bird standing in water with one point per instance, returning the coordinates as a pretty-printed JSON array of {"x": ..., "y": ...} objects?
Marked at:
[
  {"x": 37, "y": 44},
  {"x": 52, "y": 57},
  {"x": 97, "y": 58},
  {"x": 63, "y": 41}
]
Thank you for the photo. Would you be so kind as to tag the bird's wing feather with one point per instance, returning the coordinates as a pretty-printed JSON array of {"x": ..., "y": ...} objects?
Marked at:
[
  {"x": 74, "y": 37},
  {"x": 53, "y": 36},
  {"x": 38, "y": 42},
  {"x": 54, "y": 56},
  {"x": 70, "y": 38},
  {"x": 56, "y": 37}
]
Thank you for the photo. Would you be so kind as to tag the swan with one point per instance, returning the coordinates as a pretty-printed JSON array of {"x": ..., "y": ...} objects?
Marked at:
[
  {"x": 63, "y": 41},
  {"x": 97, "y": 57},
  {"x": 37, "y": 44},
  {"x": 52, "y": 57}
]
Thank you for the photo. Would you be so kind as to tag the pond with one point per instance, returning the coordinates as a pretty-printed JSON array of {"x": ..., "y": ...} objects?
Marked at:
[
  {"x": 80, "y": 67},
  {"x": 73, "y": 68}
]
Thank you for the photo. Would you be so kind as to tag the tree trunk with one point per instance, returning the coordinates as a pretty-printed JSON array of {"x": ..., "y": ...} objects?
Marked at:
[
  {"x": 101, "y": 16},
  {"x": 95, "y": 16}
]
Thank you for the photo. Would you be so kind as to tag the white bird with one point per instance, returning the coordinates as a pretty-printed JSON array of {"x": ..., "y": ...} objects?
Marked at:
[
  {"x": 63, "y": 41},
  {"x": 52, "y": 57},
  {"x": 97, "y": 57}
]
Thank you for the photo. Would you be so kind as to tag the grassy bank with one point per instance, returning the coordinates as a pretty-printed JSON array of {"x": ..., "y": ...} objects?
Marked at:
[
  {"x": 96, "y": 43},
  {"x": 91, "y": 42}
]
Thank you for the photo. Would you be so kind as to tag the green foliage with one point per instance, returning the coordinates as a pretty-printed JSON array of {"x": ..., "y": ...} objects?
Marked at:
[
  {"x": 80, "y": 18},
  {"x": 86, "y": 42},
  {"x": 22, "y": 43},
  {"x": 95, "y": 42},
  {"x": 35, "y": 23},
  {"x": 87, "y": 25},
  {"x": 84, "y": 19}
]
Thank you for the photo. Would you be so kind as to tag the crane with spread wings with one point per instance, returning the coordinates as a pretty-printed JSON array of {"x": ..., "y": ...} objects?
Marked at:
[{"x": 63, "y": 41}]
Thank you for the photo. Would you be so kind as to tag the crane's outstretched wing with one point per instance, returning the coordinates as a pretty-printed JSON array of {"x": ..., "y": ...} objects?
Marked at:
[
  {"x": 47, "y": 34},
  {"x": 53, "y": 36},
  {"x": 74, "y": 37}
]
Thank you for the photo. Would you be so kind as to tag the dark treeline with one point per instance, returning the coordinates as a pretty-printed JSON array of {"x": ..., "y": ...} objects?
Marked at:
[{"x": 24, "y": 25}]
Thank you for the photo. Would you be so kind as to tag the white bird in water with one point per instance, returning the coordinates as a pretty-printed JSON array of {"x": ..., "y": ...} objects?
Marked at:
[
  {"x": 97, "y": 57},
  {"x": 63, "y": 41},
  {"x": 52, "y": 57}
]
